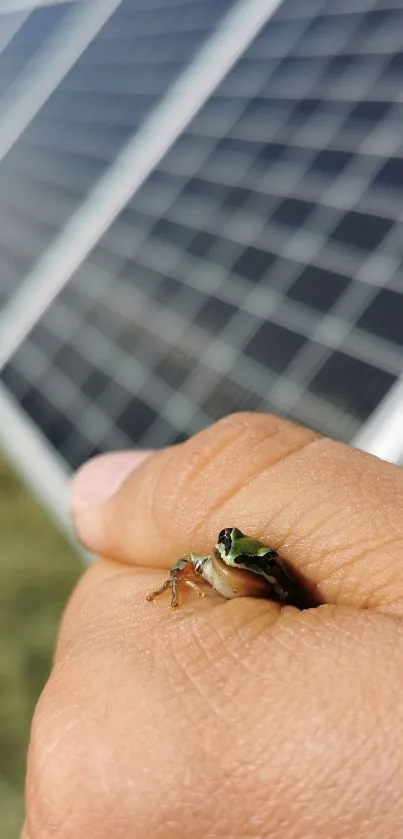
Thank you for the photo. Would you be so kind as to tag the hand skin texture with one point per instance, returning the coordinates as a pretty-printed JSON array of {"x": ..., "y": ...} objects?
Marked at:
[{"x": 228, "y": 719}]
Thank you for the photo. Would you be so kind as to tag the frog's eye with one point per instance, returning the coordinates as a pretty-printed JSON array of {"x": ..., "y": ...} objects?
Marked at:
[{"x": 225, "y": 539}]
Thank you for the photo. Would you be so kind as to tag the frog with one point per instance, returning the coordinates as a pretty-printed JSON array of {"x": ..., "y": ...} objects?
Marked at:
[{"x": 238, "y": 566}]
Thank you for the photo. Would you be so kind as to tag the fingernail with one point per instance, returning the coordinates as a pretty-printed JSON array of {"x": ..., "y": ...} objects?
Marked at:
[{"x": 101, "y": 477}]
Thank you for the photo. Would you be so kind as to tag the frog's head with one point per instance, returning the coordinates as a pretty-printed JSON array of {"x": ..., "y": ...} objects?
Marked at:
[{"x": 234, "y": 548}]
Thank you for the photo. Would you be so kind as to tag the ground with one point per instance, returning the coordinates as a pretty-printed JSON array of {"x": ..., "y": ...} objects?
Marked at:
[{"x": 38, "y": 569}]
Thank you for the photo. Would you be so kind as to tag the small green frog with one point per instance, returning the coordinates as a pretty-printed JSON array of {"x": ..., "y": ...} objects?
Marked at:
[{"x": 238, "y": 566}]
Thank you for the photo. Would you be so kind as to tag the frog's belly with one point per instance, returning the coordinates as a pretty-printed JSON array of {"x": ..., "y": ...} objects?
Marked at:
[{"x": 234, "y": 582}]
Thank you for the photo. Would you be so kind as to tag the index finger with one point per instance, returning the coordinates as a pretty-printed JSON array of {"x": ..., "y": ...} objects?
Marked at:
[{"x": 334, "y": 513}]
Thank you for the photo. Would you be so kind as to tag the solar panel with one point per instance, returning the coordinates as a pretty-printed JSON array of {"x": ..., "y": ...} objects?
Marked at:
[{"x": 260, "y": 264}]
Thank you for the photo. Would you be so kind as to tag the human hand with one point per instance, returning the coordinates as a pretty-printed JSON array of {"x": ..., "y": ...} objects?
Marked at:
[{"x": 229, "y": 719}]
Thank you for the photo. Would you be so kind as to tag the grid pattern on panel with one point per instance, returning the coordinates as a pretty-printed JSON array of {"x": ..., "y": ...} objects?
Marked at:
[
  {"x": 105, "y": 97},
  {"x": 259, "y": 267}
]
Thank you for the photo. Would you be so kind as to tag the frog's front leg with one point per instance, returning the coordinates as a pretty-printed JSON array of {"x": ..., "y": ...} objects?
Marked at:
[{"x": 183, "y": 572}]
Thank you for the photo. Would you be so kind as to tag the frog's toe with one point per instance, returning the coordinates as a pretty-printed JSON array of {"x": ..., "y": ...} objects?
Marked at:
[{"x": 153, "y": 594}]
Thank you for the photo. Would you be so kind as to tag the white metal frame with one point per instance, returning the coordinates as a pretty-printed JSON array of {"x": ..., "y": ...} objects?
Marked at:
[
  {"x": 382, "y": 434},
  {"x": 31, "y": 455}
]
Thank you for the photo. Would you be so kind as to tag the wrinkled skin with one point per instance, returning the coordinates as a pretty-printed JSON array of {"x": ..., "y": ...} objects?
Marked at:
[{"x": 229, "y": 719}]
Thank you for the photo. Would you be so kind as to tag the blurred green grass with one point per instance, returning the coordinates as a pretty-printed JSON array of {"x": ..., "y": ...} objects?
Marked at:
[{"x": 38, "y": 569}]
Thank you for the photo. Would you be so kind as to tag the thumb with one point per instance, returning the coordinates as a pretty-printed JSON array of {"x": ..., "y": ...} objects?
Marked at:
[{"x": 334, "y": 513}]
